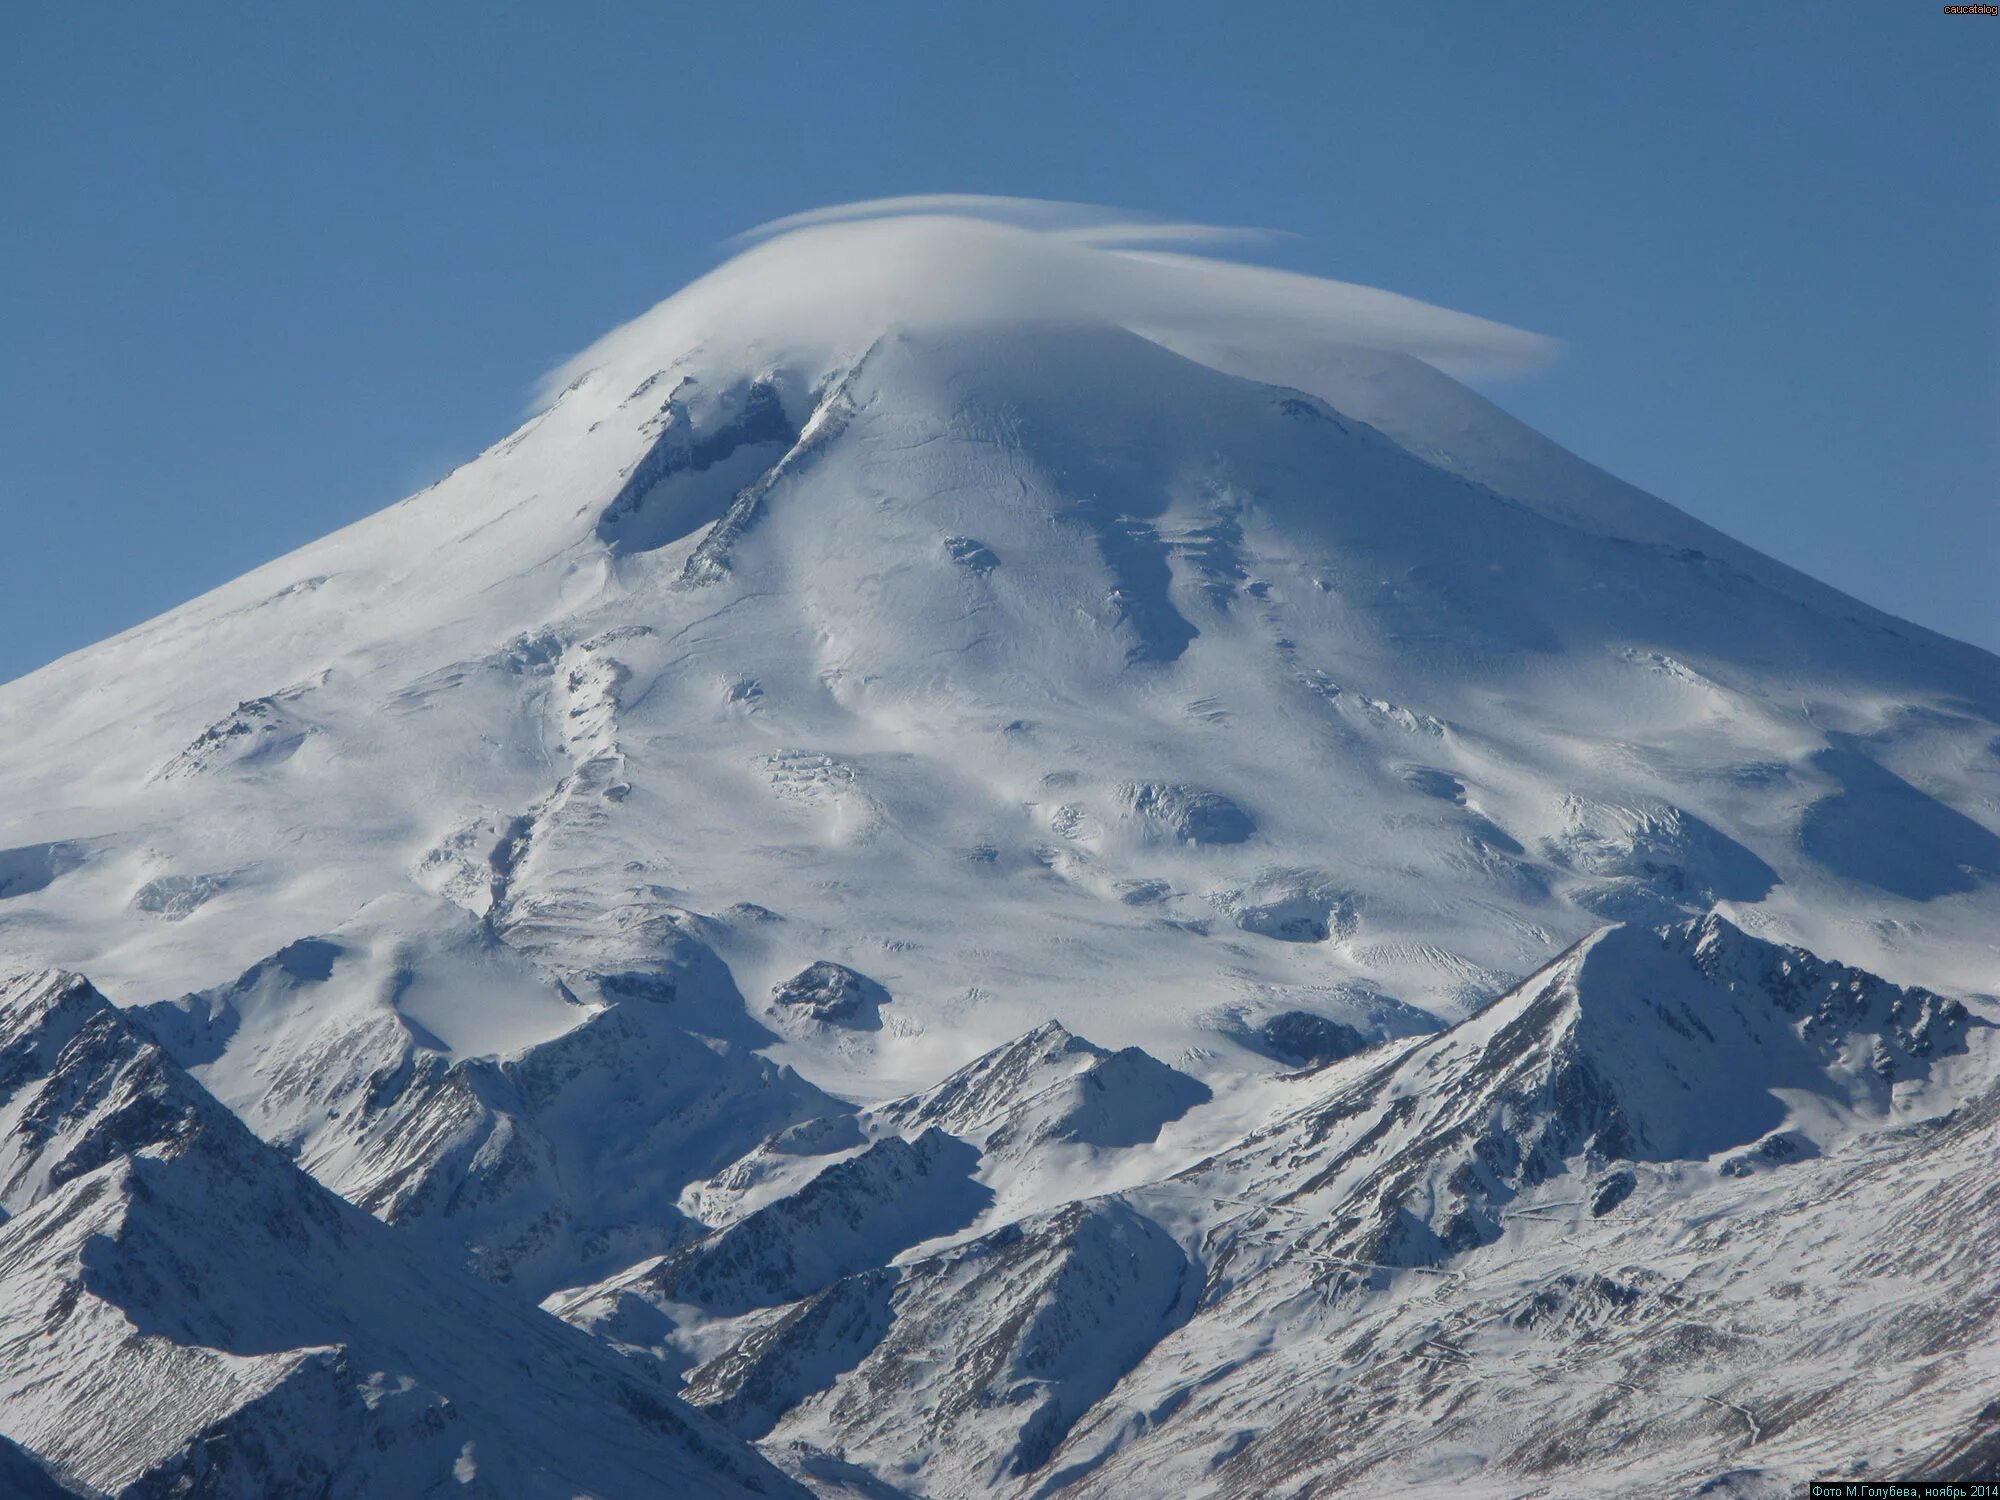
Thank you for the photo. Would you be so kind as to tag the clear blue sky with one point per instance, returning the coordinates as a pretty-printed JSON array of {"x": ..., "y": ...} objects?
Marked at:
[{"x": 266, "y": 268}]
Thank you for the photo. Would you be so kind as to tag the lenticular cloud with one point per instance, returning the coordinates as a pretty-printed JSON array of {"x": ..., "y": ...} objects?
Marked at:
[{"x": 818, "y": 286}]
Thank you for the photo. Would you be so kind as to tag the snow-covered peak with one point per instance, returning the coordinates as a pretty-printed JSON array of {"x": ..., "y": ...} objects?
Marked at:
[{"x": 980, "y": 1095}]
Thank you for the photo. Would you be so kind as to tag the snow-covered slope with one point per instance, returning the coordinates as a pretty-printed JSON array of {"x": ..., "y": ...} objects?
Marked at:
[
  {"x": 644, "y": 867},
  {"x": 1683, "y": 1205},
  {"x": 1521, "y": 1256},
  {"x": 186, "y": 1313}
]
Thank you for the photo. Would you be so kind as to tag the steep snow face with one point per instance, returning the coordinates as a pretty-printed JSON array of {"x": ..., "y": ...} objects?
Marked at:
[{"x": 188, "y": 1313}]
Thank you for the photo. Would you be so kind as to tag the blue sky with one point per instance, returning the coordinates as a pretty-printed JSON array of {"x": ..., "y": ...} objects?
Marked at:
[{"x": 264, "y": 269}]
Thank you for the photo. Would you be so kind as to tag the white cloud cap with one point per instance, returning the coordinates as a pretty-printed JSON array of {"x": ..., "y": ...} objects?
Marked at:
[{"x": 816, "y": 287}]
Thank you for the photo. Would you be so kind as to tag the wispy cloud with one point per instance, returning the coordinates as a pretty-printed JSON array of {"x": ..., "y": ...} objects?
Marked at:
[
  {"x": 812, "y": 286},
  {"x": 1085, "y": 223}
]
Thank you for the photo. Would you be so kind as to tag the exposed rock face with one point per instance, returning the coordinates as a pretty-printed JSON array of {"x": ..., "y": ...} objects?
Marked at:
[
  {"x": 971, "y": 554},
  {"x": 1306, "y": 1040},
  {"x": 176, "y": 896},
  {"x": 1186, "y": 814},
  {"x": 664, "y": 494},
  {"x": 259, "y": 733},
  {"x": 831, "y": 992}
]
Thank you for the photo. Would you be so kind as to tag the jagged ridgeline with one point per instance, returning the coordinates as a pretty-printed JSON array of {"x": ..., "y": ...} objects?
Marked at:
[{"x": 978, "y": 866}]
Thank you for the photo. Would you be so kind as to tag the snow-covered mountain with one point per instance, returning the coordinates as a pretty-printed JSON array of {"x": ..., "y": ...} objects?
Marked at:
[
  {"x": 657, "y": 871},
  {"x": 186, "y": 1312}
]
